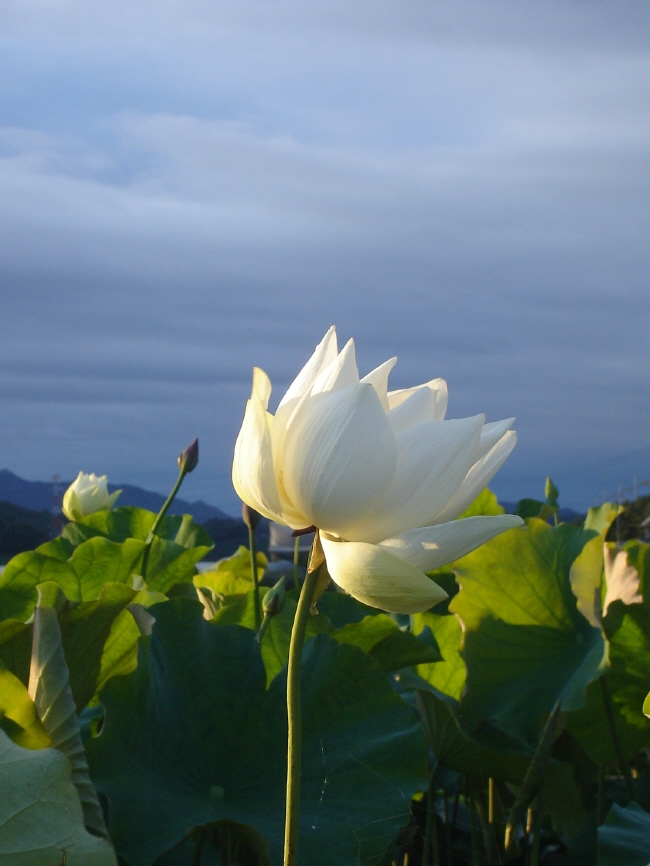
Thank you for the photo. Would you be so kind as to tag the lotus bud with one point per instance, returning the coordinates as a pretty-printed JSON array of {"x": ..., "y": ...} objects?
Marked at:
[
  {"x": 87, "y": 494},
  {"x": 274, "y": 599},
  {"x": 189, "y": 458},
  {"x": 250, "y": 517}
]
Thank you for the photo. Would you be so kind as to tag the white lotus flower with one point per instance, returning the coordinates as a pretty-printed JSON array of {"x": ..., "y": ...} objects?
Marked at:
[
  {"x": 87, "y": 494},
  {"x": 380, "y": 473}
]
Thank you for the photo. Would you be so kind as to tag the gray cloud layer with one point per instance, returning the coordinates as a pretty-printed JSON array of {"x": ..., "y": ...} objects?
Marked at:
[{"x": 188, "y": 190}]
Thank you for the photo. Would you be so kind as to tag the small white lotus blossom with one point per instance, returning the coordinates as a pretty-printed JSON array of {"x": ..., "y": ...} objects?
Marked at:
[
  {"x": 87, "y": 494},
  {"x": 380, "y": 473}
]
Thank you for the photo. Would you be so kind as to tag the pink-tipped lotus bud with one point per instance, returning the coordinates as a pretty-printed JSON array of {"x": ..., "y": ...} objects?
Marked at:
[
  {"x": 250, "y": 517},
  {"x": 189, "y": 458}
]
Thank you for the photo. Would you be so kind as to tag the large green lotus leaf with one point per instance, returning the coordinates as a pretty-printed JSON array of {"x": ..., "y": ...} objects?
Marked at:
[
  {"x": 624, "y": 838},
  {"x": 129, "y": 522},
  {"x": 193, "y": 736},
  {"x": 233, "y": 575},
  {"x": 93, "y": 564},
  {"x": 447, "y": 676},
  {"x": 41, "y": 822},
  {"x": 526, "y": 645},
  {"x": 391, "y": 648},
  {"x": 275, "y": 643},
  {"x": 99, "y": 638}
]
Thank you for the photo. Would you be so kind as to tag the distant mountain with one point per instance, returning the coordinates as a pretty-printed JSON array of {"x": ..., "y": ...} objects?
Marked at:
[{"x": 39, "y": 496}]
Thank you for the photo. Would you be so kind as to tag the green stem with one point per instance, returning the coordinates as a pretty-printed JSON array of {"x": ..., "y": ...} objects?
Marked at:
[
  {"x": 429, "y": 826},
  {"x": 262, "y": 630},
  {"x": 256, "y": 584},
  {"x": 491, "y": 840},
  {"x": 448, "y": 837},
  {"x": 296, "y": 561},
  {"x": 537, "y": 833},
  {"x": 294, "y": 715},
  {"x": 611, "y": 721},
  {"x": 473, "y": 817},
  {"x": 600, "y": 803},
  {"x": 156, "y": 523}
]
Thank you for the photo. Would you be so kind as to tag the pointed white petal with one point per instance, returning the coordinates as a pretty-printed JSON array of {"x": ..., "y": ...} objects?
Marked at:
[
  {"x": 378, "y": 378},
  {"x": 416, "y": 409},
  {"x": 438, "y": 389},
  {"x": 434, "y": 546},
  {"x": 341, "y": 373},
  {"x": 339, "y": 455},
  {"x": 432, "y": 461},
  {"x": 622, "y": 579},
  {"x": 491, "y": 434},
  {"x": 261, "y": 386},
  {"x": 325, "y": 352},
  {"x": 252, "y": 469},
  {"x": 376, "y": 577},
  {"x": 478, "y": 477}
]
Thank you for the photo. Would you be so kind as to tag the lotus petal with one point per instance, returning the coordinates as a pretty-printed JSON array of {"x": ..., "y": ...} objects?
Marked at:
[
  {"x": 416, "y": 409},
  {"x": 434, "y": 546},
  {"x": 341, "y": 373},
  {"x": 339, "y": 455},
  {"x": 378, "y": 378},
  {"x": 253, "y": 476},
  {"x": 375, "y": 576},
  {"x": 478, "y": 477},
  {"x": 438, "y": 392},
  {"x": 432, "y": 461}
]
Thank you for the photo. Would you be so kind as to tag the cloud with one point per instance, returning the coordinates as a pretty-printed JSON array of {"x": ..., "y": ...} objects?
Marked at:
[{"x": 188, "y": 191}]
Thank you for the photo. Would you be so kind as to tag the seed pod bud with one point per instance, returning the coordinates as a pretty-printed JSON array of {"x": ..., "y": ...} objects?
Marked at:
[
  {"x": 250, "y": 517},
  {"x": 188, "y": 459},
  {"x": 274, "y": 599}
]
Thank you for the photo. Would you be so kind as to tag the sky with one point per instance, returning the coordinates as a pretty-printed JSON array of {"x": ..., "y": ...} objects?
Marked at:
[{"x": 188, "y": 189}]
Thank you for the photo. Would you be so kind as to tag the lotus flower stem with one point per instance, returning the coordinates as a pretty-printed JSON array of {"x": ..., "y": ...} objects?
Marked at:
[
  {"x": 296, "y": 560},
  {"x": 294, "y": 714},
  {"x": 152, "y": 533},
  {"x": 256, "y": 583},
  {"x": 430, "y": 828},
  {"x": 611, "y": 721}
]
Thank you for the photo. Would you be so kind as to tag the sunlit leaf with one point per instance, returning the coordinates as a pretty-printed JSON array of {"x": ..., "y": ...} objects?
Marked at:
[
  {"x": 391, "y": 647},
  {"x": 93, "y": 564},
  {"x": 447, "y": 676},
  {"x": 526, "y": 645},
  {"x": 232, "y": 575},
  {"x": 18, "y": 716}
]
